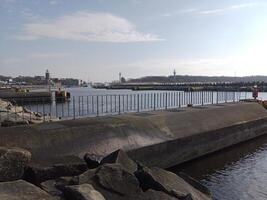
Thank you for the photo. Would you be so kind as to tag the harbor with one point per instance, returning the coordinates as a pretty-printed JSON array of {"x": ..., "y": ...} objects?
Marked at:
[{"x": 133, "y": 100}]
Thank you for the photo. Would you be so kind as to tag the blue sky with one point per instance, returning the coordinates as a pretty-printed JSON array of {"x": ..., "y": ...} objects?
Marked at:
[{"x": 97, "y": 39}]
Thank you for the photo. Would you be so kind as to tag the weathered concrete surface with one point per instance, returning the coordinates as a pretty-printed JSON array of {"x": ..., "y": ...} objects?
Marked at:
[{"x": 162, "y": 138}]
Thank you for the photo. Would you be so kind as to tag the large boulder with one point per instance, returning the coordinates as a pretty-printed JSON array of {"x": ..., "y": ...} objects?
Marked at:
[
  {"x": 114, "y": 177},
  {"x": 61, "y": 166},
  {"x": 168, "y": 182},
  {"x": 54, "y": 187},
  {"x": 156, "y": 195},
  {"x": 85, "y": 177},
  {"x": 113, "y": 181},
  {"x": 121, "y": 158},
  {"x": 82, "y": 192},
  {"x": 22, "y": 190},
  {"x": 12, "y": 163}
]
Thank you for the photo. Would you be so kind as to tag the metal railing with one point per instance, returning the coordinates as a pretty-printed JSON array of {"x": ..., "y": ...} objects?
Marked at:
[{"x": 101, "y": 105}]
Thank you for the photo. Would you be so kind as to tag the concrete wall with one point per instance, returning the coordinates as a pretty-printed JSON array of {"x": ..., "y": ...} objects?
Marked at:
[{"x": 162, "y": 138}]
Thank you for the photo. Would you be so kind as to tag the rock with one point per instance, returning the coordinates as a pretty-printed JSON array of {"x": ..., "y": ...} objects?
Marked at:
[
  {"x": 12, "y": 163},
  {"x": 82, "y": 192},
  {"x": 92, "y": 160},
  {"x": 168, "y": 182},
  {"x": 85, "y": 177},
  {"x": 122, "y": 158},
  {"x": 156, "y": 195},
  {"x": 54, "y": 187},
  {"x": 22, "y": 190},
  {"x": 37, "y": 173},
  {"x": 58, "y": 167},
  {"x": 115, "y": 178},
  {"x": 112, "y": 181},
  {"x": 50, "y": 187}
]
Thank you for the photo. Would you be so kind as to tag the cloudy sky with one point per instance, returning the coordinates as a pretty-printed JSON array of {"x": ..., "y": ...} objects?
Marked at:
[{"x": 96, "y": 39}]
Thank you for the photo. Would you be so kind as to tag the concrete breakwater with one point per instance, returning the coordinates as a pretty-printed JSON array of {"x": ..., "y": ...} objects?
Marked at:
[
  {"x": 155, "y": 139},
  {"x": 177, "y": 135}
]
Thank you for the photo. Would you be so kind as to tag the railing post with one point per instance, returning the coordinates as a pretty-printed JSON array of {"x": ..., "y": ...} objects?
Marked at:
[
  {"x": 226, "y": 97},
  {"x": 73, "y": 107},
  {"x": 154, "y": 102},
  {"x": 217, "y": 97},
  {"x": 202, "y": 98},
  {"x": 82, "y": 106},
  {"x": 97, "y": 107},
  {"x": 119, "y": 104},
  {"x": 234, "y": 97},
  {"x": 43, "y": 111},
  {"x": 179, "y": 99},
  {"x": 166, "y": 101},
  {"x": 102, "y": 104},
  {"x": 87, "y": 102},
  {"x": 211, "y": 97},
  {"x": 138, "y": 109},
  {"x": 115, "y": 102}
]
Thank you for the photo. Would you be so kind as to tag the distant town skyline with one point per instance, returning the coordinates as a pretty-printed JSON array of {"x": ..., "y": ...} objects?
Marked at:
[{"x": 97, "y": 39}]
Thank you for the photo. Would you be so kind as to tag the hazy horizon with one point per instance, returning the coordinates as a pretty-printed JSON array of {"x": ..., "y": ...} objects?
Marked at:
[{"x": 96, "y": 39}]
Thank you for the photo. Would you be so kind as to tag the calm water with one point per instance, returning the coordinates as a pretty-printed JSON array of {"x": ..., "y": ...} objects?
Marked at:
[
  {"x": 90, "y": 91},
  {"x": 236, "y": 173}
]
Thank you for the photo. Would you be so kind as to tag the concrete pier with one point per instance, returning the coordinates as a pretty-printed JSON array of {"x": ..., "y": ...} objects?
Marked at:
[{"x": 161, "y": 138}]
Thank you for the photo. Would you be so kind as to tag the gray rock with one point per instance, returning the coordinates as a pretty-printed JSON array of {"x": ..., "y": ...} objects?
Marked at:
[
  {"x": 168, "y": 182},
  {"x": 58, "y": 167},
  {"x": 22, "y": 190},
  {"x": 121, "y": 158},
  {"x": 54, "y": 187},
  {"x": 156, "y": 195},
  {"x": 115, "y": 178},
  {"x": 92, "y": 160},
  {"x": 82, "y": 192},
  {"x": 85, "y": 177},
  {"x": 12, "y": 163},
  {"x": 51, "y": 188},
  {"x": 112, "y": 181}
]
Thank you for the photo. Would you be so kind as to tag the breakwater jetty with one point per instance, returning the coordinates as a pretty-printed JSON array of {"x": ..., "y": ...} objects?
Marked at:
[
  {"x": 155, "y": 139},
  {"x": 187, "y": 86},
  {"x": 177, "y": 135}
]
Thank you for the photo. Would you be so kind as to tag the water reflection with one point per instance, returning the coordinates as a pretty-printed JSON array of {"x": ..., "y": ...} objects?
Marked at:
[{"x": 236, "y": 173}]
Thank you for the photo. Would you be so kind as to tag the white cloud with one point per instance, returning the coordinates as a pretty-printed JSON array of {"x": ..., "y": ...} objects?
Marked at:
[
  {"x": 86, "y": 26},
  {"x": 226, "y": 9},
  {"x": 211, "y": 11}
]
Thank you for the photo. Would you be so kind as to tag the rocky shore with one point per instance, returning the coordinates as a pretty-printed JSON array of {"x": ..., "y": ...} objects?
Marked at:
[
  {"x": 113, "y": 177},
  {"x": 12, "y": 115}
]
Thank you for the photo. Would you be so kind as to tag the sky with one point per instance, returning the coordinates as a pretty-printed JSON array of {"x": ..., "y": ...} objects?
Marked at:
[{"x": 94, "y": 40}]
